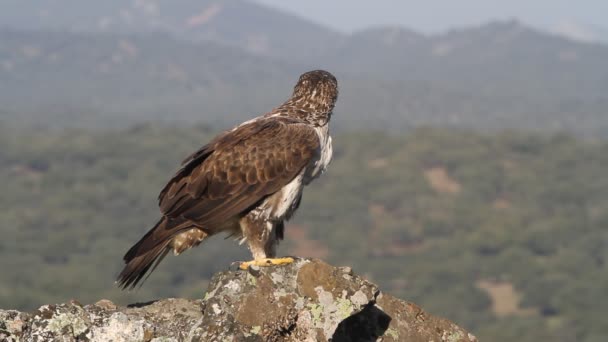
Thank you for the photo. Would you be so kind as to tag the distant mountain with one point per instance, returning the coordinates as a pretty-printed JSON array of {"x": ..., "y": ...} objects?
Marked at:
[
  {"x": 108, "y": 79},
  {"x": 581, "y": 32},
  {"x": 499, "y": 76},
  {"x": 488, "y": 55},
  {"x": 160, "y": 59},
  {"x": 253, "y": 27},
  {"x": 509, "y": 74}
]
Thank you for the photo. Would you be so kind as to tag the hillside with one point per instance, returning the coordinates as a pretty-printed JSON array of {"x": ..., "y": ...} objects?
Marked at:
[
  {"x": 503, "y": 234},
  {"x": 526, "y": 80},
  {"x": 501, "y": 74},
  {"x": 186, "y": 61},
  {"x": 101, "y": 80},
  {"x": 255, "y": 28}
]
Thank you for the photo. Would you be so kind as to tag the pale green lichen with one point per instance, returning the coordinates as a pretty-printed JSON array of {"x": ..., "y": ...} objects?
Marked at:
[
  {"x": 251, "y": 280},
  {"x": 455, "y": 336},
  {"x": 392, "y": 333},
  {"x": 316, "y": 310},
  {"x": 256, "y": 330},
  {"x": 345, "y": 308},
  {"x": 61, "y": 321}
]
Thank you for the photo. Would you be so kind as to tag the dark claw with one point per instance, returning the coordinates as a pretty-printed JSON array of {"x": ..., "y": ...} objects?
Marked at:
[
  {"x": 254, "y": 270},
  {"x": 234, "y": 266}
]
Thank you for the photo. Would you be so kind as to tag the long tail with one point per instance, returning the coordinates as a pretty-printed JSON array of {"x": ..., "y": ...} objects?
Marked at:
[{"x": 147, "y": 253}]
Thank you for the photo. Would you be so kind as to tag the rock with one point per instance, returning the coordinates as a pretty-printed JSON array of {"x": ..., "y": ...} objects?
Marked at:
[{"x": 308, "y": 300}]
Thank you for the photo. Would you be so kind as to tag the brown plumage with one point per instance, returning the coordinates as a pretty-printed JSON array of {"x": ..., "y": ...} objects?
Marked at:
[{"x": 245, "y": 182}]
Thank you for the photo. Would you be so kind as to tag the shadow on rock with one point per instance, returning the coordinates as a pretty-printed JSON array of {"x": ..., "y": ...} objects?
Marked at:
[
  {"x": 366, "y": 325},
  {"x": 142, "y": 304}
]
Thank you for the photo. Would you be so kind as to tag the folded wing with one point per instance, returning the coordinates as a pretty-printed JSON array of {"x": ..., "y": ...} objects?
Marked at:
[{"x": 239, "y": 169}]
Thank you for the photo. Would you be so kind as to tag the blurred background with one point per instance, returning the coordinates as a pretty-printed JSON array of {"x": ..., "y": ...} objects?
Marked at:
[{"x": 470, "y": 172}]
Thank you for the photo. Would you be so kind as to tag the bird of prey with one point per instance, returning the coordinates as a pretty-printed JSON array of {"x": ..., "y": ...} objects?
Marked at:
[{"x": 245, "y": 182}]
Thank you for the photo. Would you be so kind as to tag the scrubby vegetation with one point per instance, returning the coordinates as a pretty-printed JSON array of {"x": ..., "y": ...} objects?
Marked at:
[{"x": 505, "y": 234}]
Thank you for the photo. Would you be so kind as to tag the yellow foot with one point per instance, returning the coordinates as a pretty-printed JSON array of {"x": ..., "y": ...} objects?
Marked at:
[{"x": 266, "y": 262}]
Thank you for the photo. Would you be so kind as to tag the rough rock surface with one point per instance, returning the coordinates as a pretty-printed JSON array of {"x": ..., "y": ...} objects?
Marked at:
[{"x": 305, "y": 301}]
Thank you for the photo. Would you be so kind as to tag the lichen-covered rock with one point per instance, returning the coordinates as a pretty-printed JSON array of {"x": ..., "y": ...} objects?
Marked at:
[
  {"x": 308, "y": 300},
  {"x": 165, "y": 320}
]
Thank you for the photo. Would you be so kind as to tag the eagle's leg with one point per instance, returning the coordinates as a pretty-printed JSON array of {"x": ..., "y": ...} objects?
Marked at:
[{"x": 261, "y": 236}]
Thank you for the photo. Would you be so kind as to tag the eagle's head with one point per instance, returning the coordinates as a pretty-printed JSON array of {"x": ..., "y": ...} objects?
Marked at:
[
  {"x": 313, "y": 98},
  {"x": 318, "y": 88}
]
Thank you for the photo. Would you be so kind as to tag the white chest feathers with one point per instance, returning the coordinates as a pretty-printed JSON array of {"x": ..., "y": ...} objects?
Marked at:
[
  {"x": 319, "y": 164},
  {"x": 287, "y": 200}
]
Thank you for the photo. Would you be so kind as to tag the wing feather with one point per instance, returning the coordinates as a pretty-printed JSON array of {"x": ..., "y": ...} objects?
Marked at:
[{"x": 238, "y": 169}]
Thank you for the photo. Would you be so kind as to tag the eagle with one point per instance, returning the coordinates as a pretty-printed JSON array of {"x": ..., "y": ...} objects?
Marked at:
[{"x": 245, "y": 182}]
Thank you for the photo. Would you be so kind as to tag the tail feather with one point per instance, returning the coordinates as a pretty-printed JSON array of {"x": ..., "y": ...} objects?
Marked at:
[
  {"x": 136, "y": 268},
  {"x": 146, "y": 254}
]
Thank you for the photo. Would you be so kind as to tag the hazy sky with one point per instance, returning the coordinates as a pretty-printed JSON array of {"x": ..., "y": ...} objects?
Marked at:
[{"x": 435, "y": 16}]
